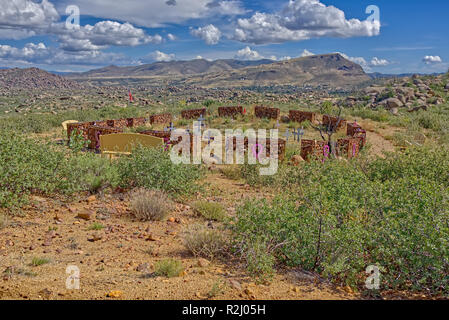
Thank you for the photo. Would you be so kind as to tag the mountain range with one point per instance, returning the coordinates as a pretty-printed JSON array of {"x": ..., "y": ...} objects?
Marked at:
[{"x": 319, "y": 70}]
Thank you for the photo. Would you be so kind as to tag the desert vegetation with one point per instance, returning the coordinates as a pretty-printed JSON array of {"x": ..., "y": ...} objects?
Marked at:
[{"x": 330, "y": 219}]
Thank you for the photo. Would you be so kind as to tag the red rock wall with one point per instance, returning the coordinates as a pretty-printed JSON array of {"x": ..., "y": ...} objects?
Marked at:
[
  {"x": 94, "y": 133},
  {"x": 332, "y": 121},
  {"x": 193, "y": 114},
  {"x": 136, "y": 122},
  {"x": 265, "y": 112},
  {"x": 161, "y": 118},
  {"x": 301, "y": 116},
  {"x": 229, "y": 111},
  {"x": 348, "y": 147},
  {"x": 311, "y": 148}
]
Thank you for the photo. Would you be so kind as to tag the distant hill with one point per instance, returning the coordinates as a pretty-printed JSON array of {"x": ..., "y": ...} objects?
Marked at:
[
  {"x": 172, "y": 68},
  {"x": 33, "y": 78},
  {"x": 331, "y": 70}
]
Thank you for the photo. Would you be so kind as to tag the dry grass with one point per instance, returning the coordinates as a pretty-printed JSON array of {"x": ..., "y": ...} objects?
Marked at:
[
  {"x": 169, "y": 268},
  {"x": 210, "y": 210},
  {"x": 150, "y": 205},
  {"x": 204, "y": 242}
]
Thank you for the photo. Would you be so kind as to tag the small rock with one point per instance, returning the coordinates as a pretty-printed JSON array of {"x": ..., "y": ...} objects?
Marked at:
[
  {"x": 46, "y": 293},
  {"x": 297, "y": 160},
  {"x": 235, "y": 284},
  {"x": 144, "y": 267},
  {"x": 95, "y": 237},
  {"x": 85, "y": 216},
  {"x": 114, "y": 294},
  {"x": 152, "y": 238},
  {"x": 249, "y": 292},
  {"x": 203, "y": 263}
]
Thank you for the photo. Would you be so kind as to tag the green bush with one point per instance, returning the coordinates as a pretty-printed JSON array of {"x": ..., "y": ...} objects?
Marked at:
[
  {"x": 153, "y": 169},
  {"x": 251, "y": 174},
  {"x": 210, "y": 210},
  {"x": 337, "y": 218},
  {"x": 31, "y": 167},
  {"x": 169, "y": 268}
]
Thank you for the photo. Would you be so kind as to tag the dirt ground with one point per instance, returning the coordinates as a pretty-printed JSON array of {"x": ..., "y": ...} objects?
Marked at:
[{"x": 119, "y": 259}]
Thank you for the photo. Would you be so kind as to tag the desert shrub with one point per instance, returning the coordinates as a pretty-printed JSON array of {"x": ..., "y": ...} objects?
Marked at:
[
  {"x": 150, "y": 205},
  {"x": 77, "y": 142},
  {"x": 37, "y": 261},
  {"x": 210, "y": 210},
  {"x": 231, "y": 172},
  {"x": 96, "y": 226},
  {"x": 430, "y": 164},
  {"x": 169, "y": 268},
  {"x": 153, "y": 169},
  {"x": 251, "y": 174},
  {"x": 28, "y": 166},
  {"x": 204, "y": 242},
  {"x": 340, "y": 217}
]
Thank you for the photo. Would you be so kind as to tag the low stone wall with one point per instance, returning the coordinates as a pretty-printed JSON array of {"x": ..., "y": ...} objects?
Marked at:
[
  {"x": 161, "y": 118},
  {"x": 301, "y": 116},
  {"x": 118, "y": 123},
  {"x": 80, "y": 127},
  {"x": 265, "y": 112},
  {"x": 332, "y": 121},
  {"x": 352, "y": 128},
  {"x": 136, "y": 122},
  {"x": 311, "y": 148},
  {"x": 356, "y": 131},
  {"x": 348, "y": 147},
  {"x": 94, "y": 133},
  {"x": 193, "y": 114},
  {"x": 166, "y": 135},
  {"x": 230, "y": 111}
]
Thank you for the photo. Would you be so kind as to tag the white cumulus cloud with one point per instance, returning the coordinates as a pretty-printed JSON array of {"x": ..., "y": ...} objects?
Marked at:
[
  {"x": 156, "y": 13},
  {"x": 376, "y": 62},
  {"x": 21, "y": 19},
  {"x": 210, "y": 34},
  {"x": 248, "y": 54},
  {"x": 432, "y": 59},
  {"x": 306, "y": 53},
  {"x": 162, "y": 57},
  {"x": 302, "y": 20}
]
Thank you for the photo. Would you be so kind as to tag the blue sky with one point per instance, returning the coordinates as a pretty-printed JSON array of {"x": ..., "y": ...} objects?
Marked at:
[{"x": 411, "y": 36}]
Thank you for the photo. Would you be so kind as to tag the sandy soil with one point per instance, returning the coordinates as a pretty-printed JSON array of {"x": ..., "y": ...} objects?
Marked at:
[{"x": 123, "y": 255}]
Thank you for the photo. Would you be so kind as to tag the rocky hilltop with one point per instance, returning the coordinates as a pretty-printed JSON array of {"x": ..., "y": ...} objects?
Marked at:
[
  {"x": 33, "y": 78},
  {"x": 331, "y": 70}
]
